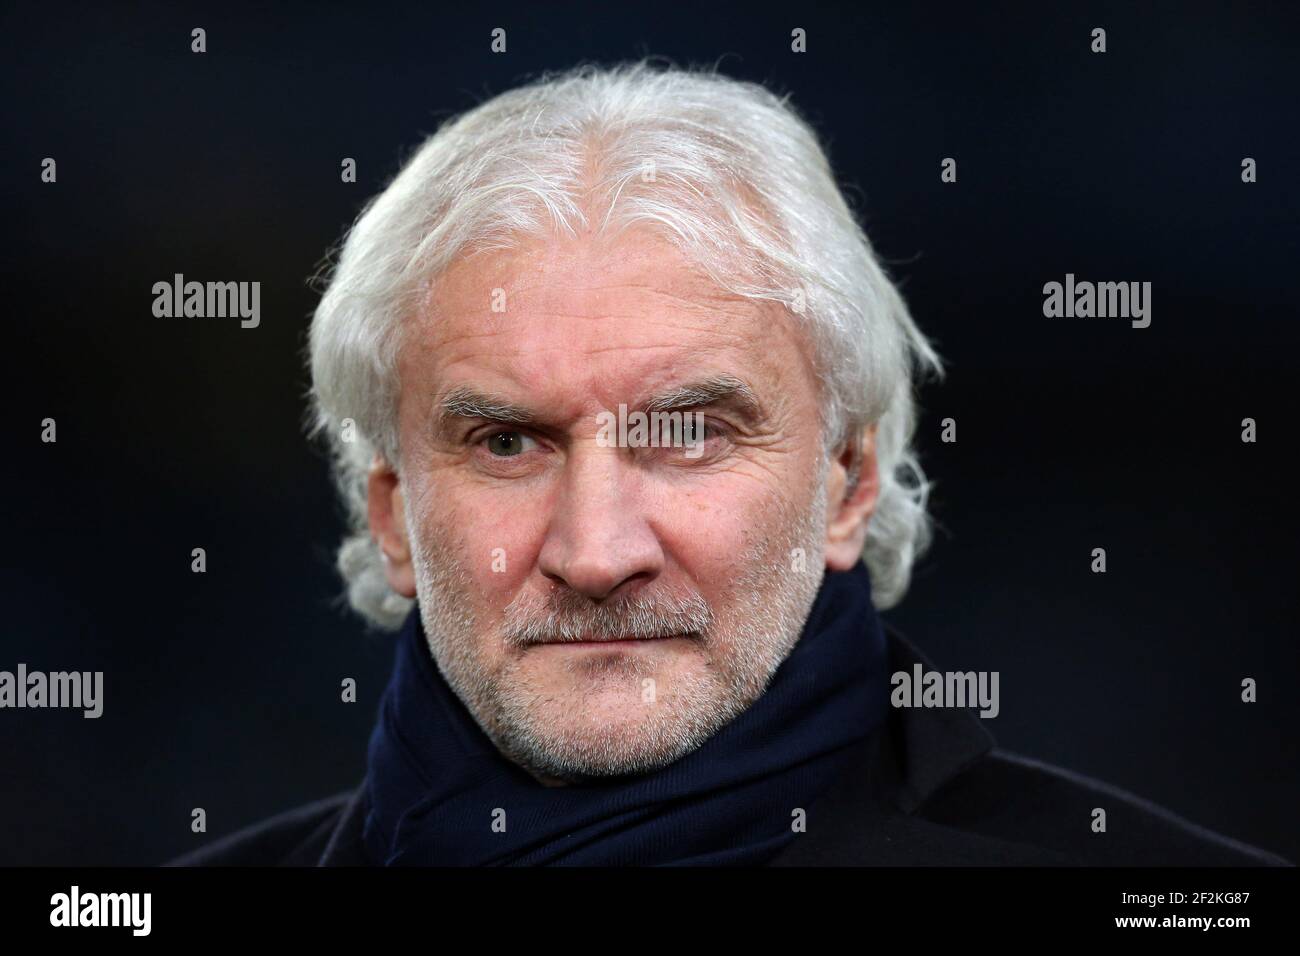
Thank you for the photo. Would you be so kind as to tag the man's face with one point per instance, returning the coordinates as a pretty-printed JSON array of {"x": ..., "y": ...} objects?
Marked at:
[{"x": 604, "y": 610}]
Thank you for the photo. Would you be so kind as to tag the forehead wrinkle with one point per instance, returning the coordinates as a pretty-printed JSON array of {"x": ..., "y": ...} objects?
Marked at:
[
  {"x": 523, "y": 325},
  {"x": 541, "y": 369}
]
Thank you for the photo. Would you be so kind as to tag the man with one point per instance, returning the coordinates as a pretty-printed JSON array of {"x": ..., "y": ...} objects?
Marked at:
[{"x": 648, "y": 645}]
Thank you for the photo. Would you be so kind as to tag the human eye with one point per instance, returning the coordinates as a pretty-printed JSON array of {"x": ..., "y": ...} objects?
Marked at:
[
  {"x": 698, "y": 431},
  {"x": 506, "y": 443},
  {"x": 702, "y": 439}
]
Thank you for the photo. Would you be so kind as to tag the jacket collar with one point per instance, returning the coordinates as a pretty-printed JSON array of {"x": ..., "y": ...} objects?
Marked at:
[
  {"x": 910, "y": 758},
  {"x": 931, "y": 746}
]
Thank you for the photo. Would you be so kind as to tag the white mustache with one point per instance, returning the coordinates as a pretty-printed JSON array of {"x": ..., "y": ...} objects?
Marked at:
[{"x": 566, "y": 616}]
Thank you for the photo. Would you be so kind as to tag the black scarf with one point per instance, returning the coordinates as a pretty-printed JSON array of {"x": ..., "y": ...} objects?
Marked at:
[{"x": 435, "y": 779}]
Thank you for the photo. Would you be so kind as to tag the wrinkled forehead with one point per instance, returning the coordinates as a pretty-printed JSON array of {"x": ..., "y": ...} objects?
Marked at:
[{"x": 592, "y": 310}]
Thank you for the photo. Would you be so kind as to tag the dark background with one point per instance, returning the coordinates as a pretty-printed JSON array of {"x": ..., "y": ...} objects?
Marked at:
[{"x": 222, "y": 689}]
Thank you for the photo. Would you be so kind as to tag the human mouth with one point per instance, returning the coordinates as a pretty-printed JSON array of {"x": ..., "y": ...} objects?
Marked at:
[{"x": 615, "y": 643}]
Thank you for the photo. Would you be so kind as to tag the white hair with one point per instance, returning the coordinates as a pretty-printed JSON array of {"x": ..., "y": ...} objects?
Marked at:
[{"x": 725, "y": 169}]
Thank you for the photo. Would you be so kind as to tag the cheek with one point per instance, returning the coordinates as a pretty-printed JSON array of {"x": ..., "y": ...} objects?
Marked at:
[
  {"x": 497, "y": 541},
  {"x": 709, "y": 530}
]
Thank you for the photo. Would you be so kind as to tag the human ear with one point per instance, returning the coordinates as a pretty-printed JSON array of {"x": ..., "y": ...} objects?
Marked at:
[
  {"x": 386, "y": 512},
  {"x": 853, "y": 487}
]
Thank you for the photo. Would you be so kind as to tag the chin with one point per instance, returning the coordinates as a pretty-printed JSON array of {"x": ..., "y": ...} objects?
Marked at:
[
  {"x": 606, "y": 729},
  {"x": 617, "y": 751}
]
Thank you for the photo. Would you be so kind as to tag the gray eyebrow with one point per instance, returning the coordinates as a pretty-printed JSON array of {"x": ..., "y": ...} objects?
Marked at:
[
  {"x": 465, "y": 402},
  {"x": 708, "y": 392}
]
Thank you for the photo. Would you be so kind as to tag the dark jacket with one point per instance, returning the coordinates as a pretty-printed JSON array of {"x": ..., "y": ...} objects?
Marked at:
[{"x": 930, "y": 788}]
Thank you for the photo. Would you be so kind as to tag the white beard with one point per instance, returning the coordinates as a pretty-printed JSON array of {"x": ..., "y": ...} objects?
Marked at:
[{"x": 755, "y": 626}]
